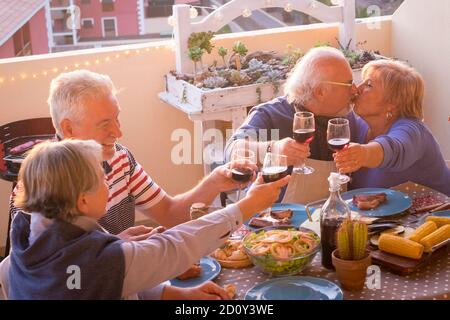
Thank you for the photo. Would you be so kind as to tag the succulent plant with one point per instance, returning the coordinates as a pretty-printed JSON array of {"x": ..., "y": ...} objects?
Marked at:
[
  {"x": 223, "y": 52},
  {"x": 352, "y": 240},
  {"x": 201, "y": 40},
  {"x": 195, "y": 54},
  {"x": 239, "y": 50},
  {"x": 215, "y": 82},
  {"x": 239, "y": 78}
]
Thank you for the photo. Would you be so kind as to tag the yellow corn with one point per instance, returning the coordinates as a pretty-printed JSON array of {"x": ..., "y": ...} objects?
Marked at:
[
  {"x": 422, "y": 231},
  {"x": 400, "y": 246},
  {"x": 441, "y": 234},
  {"x": 440, "y": 221}
]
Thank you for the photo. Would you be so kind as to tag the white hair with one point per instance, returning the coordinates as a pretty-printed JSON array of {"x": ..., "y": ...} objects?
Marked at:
[
  {"x": 305, "y": 76},
  {"x": 69, "y": 91}
]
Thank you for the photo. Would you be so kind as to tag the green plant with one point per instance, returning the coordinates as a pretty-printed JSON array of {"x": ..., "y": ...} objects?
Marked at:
[
  {"x": 201, "y": 40},
  {"x": 195, "y": 54},
  {"x": 240, "y": 50},
  {"x": 352, "y": 240},
  {"x": 223, "y": 52}
]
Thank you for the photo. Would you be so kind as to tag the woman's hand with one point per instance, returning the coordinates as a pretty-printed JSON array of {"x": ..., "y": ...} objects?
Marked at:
[
  {"x": 352, "y": 158},
  {"x": 261, "y": 196},
  {"x": 206, "y": 291}
]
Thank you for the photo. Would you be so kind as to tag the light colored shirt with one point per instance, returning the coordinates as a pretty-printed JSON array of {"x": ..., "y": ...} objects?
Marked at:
[{"x": 149, "y": 263}]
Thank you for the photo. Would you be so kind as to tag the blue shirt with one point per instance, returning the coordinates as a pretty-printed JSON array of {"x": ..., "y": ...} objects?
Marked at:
[
  {"x": 273, "y": 120},
  {"x": 411, "y": 153}
]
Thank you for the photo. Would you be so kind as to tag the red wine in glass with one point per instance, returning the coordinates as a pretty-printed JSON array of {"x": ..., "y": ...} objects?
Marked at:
[
  {"x": 338, "y": 144},
  {"x": 304, "y": 135},
  {"x": 271, "y": 174},
  {"x": 242, "y": 175}
]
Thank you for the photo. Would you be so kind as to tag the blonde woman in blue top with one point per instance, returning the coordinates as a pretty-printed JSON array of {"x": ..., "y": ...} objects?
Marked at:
[{"x": 393, "y": 144}]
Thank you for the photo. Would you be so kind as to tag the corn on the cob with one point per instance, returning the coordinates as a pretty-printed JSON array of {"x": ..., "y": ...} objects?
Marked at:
[
  {"x": 440, "y": 221},
  {"x": 400, "y": 246},
  {"x": 441, "y": 234},
  {"x": 422, "y": 231}
]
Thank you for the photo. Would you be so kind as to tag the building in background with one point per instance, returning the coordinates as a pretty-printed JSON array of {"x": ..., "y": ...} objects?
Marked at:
[{"x": 25, "y": 28}]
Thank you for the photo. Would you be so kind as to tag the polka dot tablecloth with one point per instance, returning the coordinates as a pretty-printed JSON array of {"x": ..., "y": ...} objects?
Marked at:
[{"x": 430, "y": 282}]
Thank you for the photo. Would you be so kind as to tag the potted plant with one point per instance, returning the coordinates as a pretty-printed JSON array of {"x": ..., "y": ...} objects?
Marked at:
[{"x": 351, "y": 258}]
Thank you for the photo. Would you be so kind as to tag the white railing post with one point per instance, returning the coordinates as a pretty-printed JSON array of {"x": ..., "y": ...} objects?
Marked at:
[
  {"x": 182, "y": 31},
  {"x": 347, "y": 27}
]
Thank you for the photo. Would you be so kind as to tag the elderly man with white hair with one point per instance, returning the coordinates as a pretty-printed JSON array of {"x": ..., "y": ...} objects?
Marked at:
[{"x": 321, "y": 83}]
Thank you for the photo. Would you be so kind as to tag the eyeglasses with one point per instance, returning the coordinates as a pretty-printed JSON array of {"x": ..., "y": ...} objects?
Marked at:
[{"x": 346, "y": 84}]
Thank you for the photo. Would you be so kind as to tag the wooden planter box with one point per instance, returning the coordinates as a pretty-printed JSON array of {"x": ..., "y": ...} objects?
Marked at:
[{"x": 192, "y": 99}]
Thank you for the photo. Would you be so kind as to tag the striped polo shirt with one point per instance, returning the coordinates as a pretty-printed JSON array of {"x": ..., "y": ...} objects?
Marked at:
[{"x": 130, "y": 188}]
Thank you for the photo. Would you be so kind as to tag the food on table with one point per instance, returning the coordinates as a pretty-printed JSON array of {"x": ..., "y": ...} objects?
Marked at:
[
  {"x": 401, "y": 231},
  {"x": 369, "y": 201},
  {"x": 230, "y": 289},
  {"x": 438, "y": 236},
  {"x": 400, "y": 246},
  {"x": 272, "y": 218},
  {"x": 194, "y": 271},
  {"x": 282, "y": 252},
  {"x": 422, "y": 231},
  {"x": 440, "y": 221},
  {"x": 232, "y": 255}
]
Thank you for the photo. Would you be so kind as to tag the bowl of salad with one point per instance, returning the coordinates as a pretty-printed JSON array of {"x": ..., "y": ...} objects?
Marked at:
[{"x": 282, "y": 250}]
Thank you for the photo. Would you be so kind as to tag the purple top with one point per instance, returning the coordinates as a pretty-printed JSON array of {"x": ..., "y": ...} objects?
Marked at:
[{"x": 411, "y": 153}]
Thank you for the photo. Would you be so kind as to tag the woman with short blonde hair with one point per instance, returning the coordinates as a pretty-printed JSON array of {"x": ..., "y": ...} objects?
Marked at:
[
  {"x": 393, "y": 145},
  {"x": 403, "y": 86},
  {"x": 53, "y": 175}
]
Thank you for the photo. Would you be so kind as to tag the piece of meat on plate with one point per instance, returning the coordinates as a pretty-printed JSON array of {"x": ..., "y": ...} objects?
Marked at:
[
  {"x": 268, "y": 221},
  {"x": 281, "y": 214},
  {"x": 192, "y": 272},
  {"x": 369, "y": 201}
]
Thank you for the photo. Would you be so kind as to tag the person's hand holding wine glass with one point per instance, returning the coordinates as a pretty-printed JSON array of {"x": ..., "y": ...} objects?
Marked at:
[
  {"x": 243, "y": 166},
  {"x": 303, "y": 132},
  {"x": 338, "y": 138}
]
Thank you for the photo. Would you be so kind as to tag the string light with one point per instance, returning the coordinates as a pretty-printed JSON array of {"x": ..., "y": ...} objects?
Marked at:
[
  {"x": 218, "y": 16},
  {"x": 96, "y": 61},
  {"x": 171, "y": 21},
  {"x": 288, "y": 7},
  {"x": 193, "y": 13},
  {"x": 336, "y": 2},
  {"x": 246, "y": 13}
]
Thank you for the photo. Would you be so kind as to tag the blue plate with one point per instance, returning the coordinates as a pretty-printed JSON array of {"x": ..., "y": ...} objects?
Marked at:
[
  {"x": 298, "y": 217},
  {"x": 445, "y": 213},
  {"x": 210, "y": 269},
  {"x": 396, "y": 202},
  {"x": 295, "y": 288}
]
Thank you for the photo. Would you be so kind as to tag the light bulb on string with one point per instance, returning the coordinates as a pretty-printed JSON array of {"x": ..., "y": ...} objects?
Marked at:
[
  {"x": 336, "y": 2},
  {"x": 193, "y": 13},
  {"x": 171, "y": 21},
  {"x": 246, "y": 13},
  {"x": 218, "y": 16},
  {"x": 288, "y": 7}
]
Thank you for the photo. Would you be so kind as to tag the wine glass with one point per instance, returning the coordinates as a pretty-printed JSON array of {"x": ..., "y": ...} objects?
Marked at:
[
  {"x": 338, "y": 138},
  {"x": 303, "y": 132},
  {"x": 274, "y": 167},
  {"x": 240, "y": 169}
]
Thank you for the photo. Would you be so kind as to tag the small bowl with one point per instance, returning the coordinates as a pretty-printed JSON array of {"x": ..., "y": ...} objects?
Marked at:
[{"x": 276, "y": 266}]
